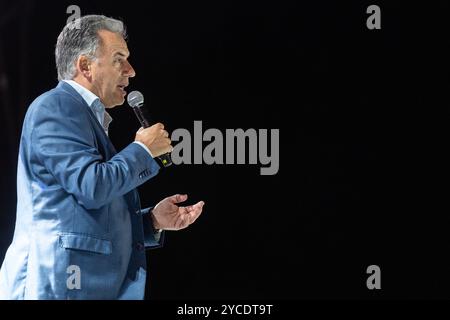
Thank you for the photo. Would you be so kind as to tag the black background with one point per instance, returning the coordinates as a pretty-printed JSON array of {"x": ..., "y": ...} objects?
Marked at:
[{"x": 363, "y": 118}]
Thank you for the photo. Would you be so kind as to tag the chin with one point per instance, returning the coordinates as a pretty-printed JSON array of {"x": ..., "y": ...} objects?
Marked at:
[{"x": 116, "y": 103}]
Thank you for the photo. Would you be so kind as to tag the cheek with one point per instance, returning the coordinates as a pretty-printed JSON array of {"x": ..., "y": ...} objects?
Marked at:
[
  {"x": 102, "y": 74},
  {"x": 98, "y": 77}
]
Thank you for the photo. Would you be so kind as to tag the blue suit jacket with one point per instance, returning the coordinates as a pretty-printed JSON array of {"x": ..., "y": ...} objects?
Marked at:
[{"x": 80, "y": 232}]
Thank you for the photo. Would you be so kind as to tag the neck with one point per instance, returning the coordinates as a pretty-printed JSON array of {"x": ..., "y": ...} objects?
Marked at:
[{"x": 87, "y": 85}]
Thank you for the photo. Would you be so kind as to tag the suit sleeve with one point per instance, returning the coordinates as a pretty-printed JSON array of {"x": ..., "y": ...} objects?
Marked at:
[
  {"x": 64, "y": 142},
  {"x": 152, "y": 240}
]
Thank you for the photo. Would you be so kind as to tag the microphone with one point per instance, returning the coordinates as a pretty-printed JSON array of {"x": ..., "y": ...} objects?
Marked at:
[{"x": 136, "y": 100}]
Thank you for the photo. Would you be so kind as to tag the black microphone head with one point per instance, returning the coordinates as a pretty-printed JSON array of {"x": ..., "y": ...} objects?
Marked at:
[{"x": 135, "y": 99}]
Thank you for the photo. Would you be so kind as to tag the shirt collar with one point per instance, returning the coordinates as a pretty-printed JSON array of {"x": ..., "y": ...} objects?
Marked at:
[{"x": 87, "y": 95}]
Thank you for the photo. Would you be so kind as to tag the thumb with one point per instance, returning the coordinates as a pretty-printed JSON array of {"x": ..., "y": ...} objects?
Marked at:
[{"x": 178, "y": 198}]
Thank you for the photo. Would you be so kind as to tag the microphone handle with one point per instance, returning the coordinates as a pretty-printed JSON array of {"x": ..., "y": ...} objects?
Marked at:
[{"x": 165, "y": 159}]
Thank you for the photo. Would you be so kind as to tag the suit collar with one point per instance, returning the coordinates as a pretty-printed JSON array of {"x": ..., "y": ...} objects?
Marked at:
[
  {"x": 70, "y": 90},
  {"x": 86, "y": 94},
  {"x": 90, "y": 100}
]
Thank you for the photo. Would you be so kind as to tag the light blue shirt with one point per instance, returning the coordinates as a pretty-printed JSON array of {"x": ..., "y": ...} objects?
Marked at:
[{"x": 98, "y": 108}]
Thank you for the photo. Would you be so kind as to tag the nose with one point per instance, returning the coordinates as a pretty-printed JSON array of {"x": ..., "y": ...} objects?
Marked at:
[{"x": 129, "y": 71}]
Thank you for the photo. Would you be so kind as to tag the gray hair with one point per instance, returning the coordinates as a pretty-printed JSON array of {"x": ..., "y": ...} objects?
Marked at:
[{"x": 80, "y": 37}]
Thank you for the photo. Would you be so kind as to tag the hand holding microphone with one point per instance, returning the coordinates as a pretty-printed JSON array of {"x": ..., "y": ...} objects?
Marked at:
[{"x": 153, "y": 136}]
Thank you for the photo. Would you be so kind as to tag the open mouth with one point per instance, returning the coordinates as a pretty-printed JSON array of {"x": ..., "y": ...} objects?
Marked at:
[{"x": 122, "y": 88}]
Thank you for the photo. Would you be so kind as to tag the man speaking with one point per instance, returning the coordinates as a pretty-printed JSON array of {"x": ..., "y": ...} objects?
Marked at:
[{"x": 80, "y": 232}]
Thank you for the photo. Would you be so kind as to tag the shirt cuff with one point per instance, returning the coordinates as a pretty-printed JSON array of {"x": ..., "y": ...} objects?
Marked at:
[
  {"x": 145, "y": 147},
  {"x": 157, "y": 235}
]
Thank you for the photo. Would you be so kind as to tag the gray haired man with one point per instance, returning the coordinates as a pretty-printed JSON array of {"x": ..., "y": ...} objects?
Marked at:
[{"x": 80, "y": 230}]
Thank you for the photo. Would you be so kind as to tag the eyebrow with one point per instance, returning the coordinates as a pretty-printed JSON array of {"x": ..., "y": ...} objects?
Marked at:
[{"x": 118, "y": 53}]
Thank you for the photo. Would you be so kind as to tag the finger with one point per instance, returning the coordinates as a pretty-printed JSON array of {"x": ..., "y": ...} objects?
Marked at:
[
  {"x": 194, "y": 206},
  {"x": 163, "y": 141},
  {"x": 159, "y": 125},
  {"x": 177, "y": 198},
  {"x": 167, "y": 149},
  {"x": 199, "y": 204},
  {"x": 195, "y": 212},
  {"x": 165, "y": 134},
  {"x": 140, "y": 129}
]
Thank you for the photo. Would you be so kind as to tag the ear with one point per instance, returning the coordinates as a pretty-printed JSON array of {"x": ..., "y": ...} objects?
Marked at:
[{"x": 83, "y": 65}]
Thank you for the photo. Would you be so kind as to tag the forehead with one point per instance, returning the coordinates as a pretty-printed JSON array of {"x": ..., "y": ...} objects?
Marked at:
[{"x": 113, "y": 42}]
